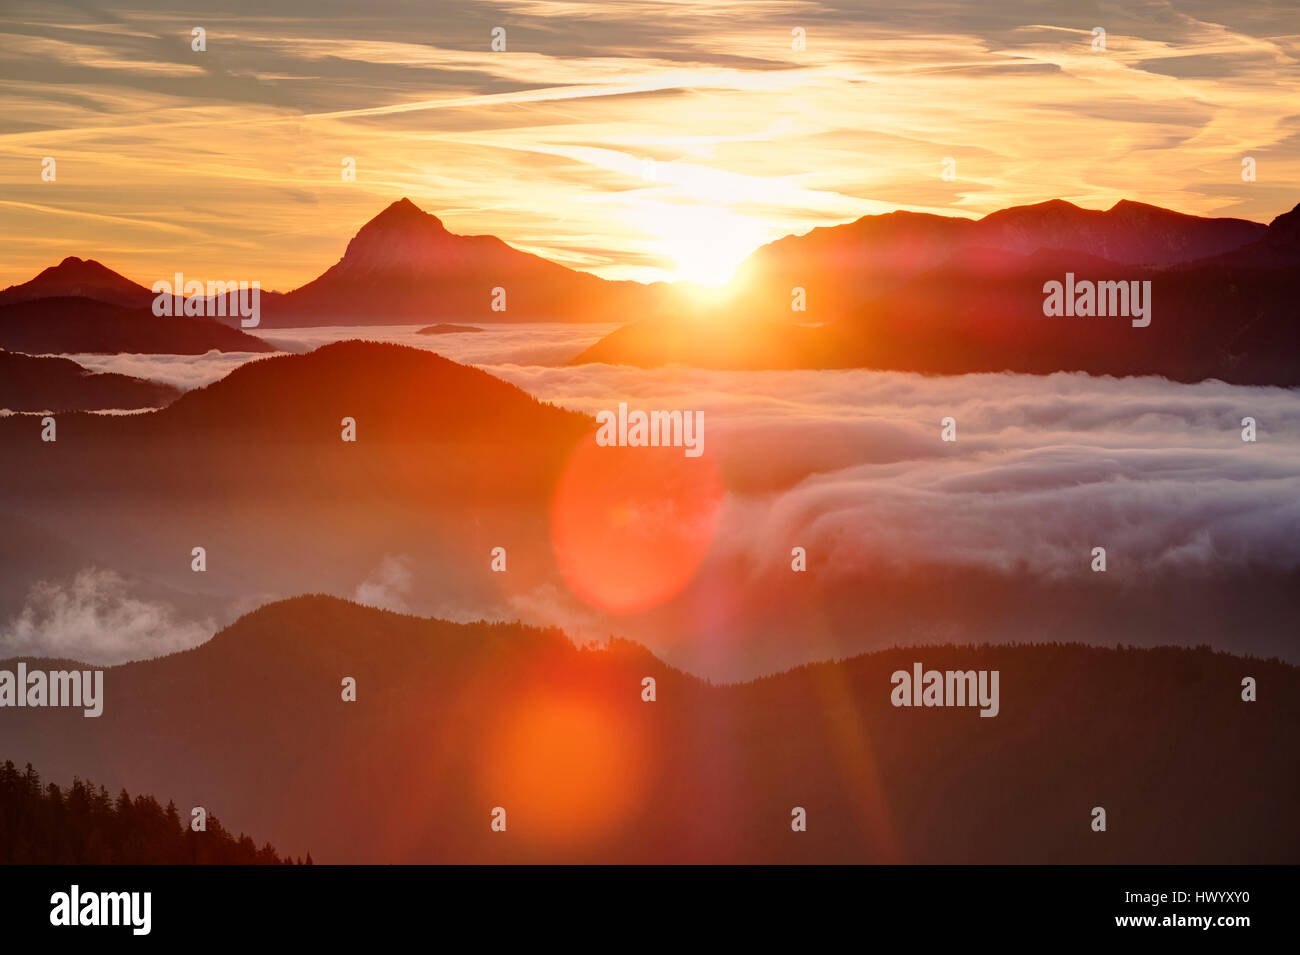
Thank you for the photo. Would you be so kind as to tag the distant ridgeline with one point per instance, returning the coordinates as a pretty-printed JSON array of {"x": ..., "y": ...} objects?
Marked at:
[{"x": 83, "y": 825}]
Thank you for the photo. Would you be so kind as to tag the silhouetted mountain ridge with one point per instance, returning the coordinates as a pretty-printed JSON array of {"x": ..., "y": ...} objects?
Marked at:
[
  {"x": 402, "y": 394},
  {"x": 847, "y": 266},
  {"x": 1230, "y": 317},
  {"x": 404, "y": 265},
  {"x": 410, "y": 771},
  {"x": 274, "y": 428},
  {"x": 30, "y": 383},
  {"x": 79, "y": 278},
  {"x": 71, "y": 325}
]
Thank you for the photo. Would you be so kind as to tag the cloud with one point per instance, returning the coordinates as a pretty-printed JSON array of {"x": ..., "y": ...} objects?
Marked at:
[
  {"x": 94, "y": 619},
  {"x": 543, "y": 144},
  {"x": 911, "y": 538},
  {"x": 182, "y": 371},
  {"x": 500, "y": 347},
  {"x": 1043, "y": 469},
  {"x": 389, "y": 585}
]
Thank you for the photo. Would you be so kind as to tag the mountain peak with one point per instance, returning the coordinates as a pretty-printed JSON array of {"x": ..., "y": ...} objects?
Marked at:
[
  {"x": 402, "y": 237},
  {"x": 1130, "y": 205},
  {"x": 72, "y": 265},
  {"x": 1284, "y": 231},
  {"x": 1133, "y": 211},
  {"x": 405, "y": 211},
  {"x": 1034, "y": 211},
  {"x": 75, "y": 277}
]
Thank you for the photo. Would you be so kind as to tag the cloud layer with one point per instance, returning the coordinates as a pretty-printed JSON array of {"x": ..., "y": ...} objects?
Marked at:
[
  {"x": 1043, "y": 469},
  {"x": 909, "y": 538}
]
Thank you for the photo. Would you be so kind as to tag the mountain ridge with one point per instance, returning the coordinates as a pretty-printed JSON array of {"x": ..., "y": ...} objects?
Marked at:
[
  {"x": 73, "y": 325},
  {"x": 30, "y": 383},
  {"x": 403, "y": 264},
  {"x": 1229, "y": 317},
  {"x": 705, "y": 773}
]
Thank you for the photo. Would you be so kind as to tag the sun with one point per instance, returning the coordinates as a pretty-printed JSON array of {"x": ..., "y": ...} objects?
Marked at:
[{"x": 705, "y": 244}]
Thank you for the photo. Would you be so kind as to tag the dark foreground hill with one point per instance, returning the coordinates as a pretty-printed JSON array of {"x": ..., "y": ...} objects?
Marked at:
[
  {"x": 82, "y": 825},
  {"x": 453, "y": 722},
  {"x": 29, "y": 383}
]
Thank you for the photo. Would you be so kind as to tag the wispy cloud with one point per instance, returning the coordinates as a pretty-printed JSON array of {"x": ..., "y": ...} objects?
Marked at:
[
  {"x": 544, "y": 143},
  {"x": 95, "y": 618}
]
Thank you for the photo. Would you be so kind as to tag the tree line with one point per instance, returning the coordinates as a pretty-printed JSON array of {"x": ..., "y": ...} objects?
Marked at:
[{"x": 85, "y": 825}]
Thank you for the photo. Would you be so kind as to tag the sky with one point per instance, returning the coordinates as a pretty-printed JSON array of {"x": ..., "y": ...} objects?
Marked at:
[{"x": 227, "y": 163}]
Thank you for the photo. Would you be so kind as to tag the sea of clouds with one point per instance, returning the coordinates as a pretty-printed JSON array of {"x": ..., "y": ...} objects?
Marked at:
[
  {"x": 1155, "y": 471},
  {"x": 850, "y": 465}
]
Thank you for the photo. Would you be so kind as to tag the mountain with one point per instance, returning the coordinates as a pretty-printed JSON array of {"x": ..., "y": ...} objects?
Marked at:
[
  {"x": 407, "y": 398},
  {"x": 73, "y": 325},
  {"x": 1230, "y": 316},
  {"x": 445, "y": 329},
  {"x": 405, "y": 266},
  {"x": 1283, "y": 233},
  {"x": 423, "y": 423},
  {"x": 844, "y": 267},
  {"x": 452, "y": 720},
  {"x": 986, "y": 315},
  {"x": 448, "y": 463},
  {"x": 1128, "y": 233},
  {"x": 1277, "y": 249},
  {"x": 29, "y": 383},
  {"x": 79, "y": 278}
]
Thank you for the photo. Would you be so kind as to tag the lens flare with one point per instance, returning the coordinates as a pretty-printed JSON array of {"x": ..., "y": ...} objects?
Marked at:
[
  {"x": 569, "y": 769},
  {"x": 631, "y": 526}
]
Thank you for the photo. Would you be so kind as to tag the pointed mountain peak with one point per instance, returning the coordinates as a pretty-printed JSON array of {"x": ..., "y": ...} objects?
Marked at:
[
  {"x": 402, "y": 237},
  {"x": 403, "y": 212},
  {"x": 1050, "y": 204}
]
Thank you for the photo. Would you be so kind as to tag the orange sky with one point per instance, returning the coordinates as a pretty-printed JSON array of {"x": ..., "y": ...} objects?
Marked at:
[{"x": 226, "y": 164}]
